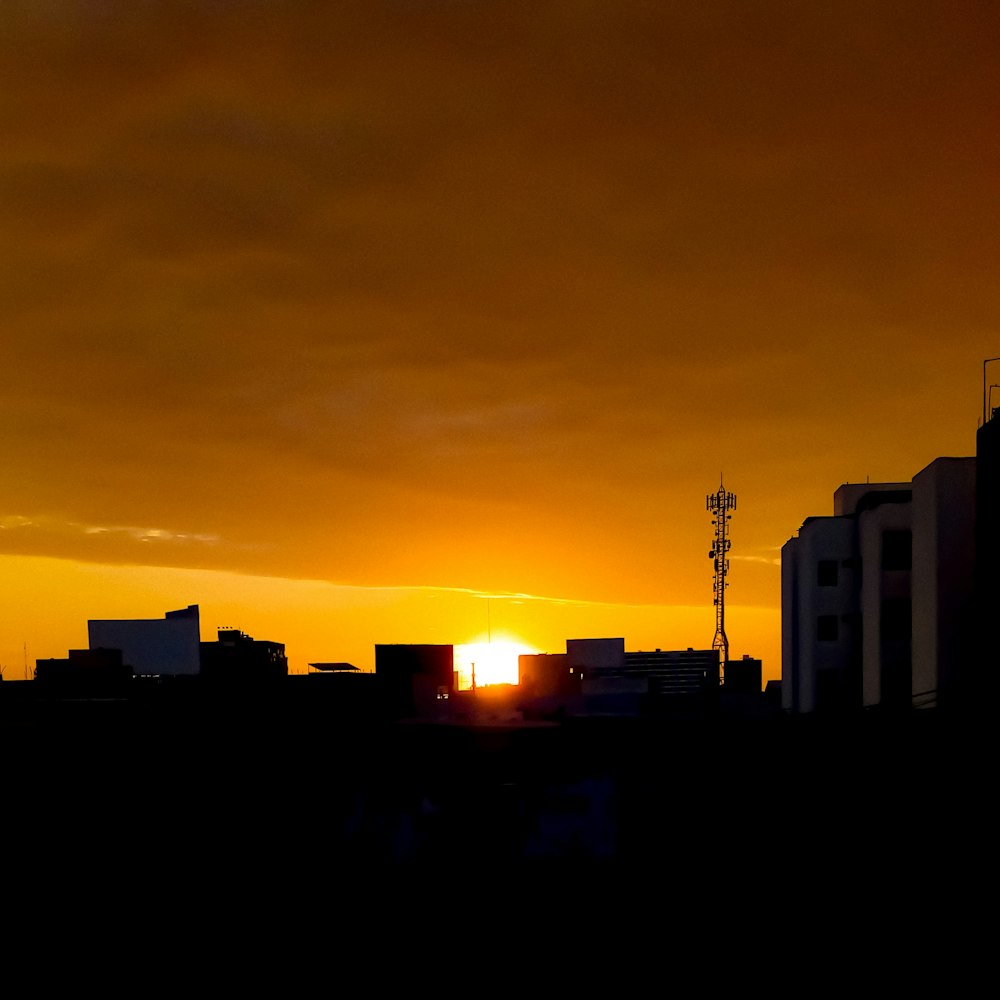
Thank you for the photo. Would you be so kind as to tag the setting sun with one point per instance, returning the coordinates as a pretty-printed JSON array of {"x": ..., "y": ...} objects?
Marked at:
[{"x": 495, "y": 662}]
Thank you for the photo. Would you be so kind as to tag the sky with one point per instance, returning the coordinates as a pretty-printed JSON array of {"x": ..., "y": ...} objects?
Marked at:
[{"x": 352, "y": 321}]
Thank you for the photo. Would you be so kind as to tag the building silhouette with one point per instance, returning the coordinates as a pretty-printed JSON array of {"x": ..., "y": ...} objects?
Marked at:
[
  {"x": 547, "y": 675},
  {"x": 878, "y": 599},
  {"x": 598, "y": 677},
  {"x": 415, "y": 678},
  {"x": 987, "y": 647},
  {"x": 679, "y": 673},
  {"x": 744, "y": 676},
  {"x": 85, "y": 673},
  {"x": 237, "y": 658},
  {"x": 168, "y": 646}
]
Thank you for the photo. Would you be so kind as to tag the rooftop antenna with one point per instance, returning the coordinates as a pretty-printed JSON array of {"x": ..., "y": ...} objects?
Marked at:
[{"x": 720, "y": 504}]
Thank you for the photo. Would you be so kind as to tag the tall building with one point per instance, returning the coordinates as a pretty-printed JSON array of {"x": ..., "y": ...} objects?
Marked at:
[{"x": 876, "y": 599}]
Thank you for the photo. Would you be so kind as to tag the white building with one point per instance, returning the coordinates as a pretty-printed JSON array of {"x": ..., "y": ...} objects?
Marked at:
[
  {"x": 153, "y": 646},
  {"x": 875, "y": 598}
]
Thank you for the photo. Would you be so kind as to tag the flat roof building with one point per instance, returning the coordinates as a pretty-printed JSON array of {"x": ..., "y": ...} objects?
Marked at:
[{"x": 238, "y": 658}]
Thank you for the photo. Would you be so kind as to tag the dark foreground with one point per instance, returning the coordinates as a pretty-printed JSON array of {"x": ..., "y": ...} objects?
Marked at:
[{"x": 842, "y": 830}]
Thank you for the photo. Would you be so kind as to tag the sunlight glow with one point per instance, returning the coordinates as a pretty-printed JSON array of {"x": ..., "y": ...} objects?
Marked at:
[{"x": 496, "y": 662}]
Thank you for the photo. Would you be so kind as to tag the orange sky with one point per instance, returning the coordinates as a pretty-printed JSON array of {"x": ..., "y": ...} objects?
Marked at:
[{"x": 350, "y": 312}]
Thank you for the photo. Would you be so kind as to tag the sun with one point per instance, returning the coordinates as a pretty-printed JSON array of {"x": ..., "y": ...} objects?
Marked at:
[{"x": 495, "y": 662}]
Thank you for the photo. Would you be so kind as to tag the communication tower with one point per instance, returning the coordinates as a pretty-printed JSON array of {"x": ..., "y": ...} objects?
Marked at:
[{"x": 720, "y": 504}]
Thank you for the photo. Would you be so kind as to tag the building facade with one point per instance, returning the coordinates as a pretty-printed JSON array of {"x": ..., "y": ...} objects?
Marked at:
[
  {"x": 876, "y": 600},
  {"x": 153, "y": 646}
]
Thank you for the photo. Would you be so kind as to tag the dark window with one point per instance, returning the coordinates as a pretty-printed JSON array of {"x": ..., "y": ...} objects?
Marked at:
[
  {"x": 895, "y": 619},
  {"x": 826, "y": 573},
  {"x": 897, "y": 550},
  {"x": 826, "y": 628}
]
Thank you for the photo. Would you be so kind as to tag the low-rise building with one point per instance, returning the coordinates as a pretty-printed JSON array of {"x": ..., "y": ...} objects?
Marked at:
[
  {"x": 237, "y": 658},
  {"x": 85, "y": 673},
  {"x": 415, "y": 677}
]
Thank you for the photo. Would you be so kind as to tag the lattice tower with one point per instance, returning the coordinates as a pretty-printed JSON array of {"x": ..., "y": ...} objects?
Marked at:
[{"x": 720, "y": 504}]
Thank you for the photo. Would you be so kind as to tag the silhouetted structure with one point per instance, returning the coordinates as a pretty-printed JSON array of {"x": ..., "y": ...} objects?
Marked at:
[
  {"x": 987, "y": 647},
  {"x": 597, "y": 677},
  {"x": 673, "y": 673},
  {"x": 237, "y": 658},
  {"x": 153, "y": 646},
  {"x": 414, "y": 678},
  {"x": 744, "y": 676},
  {"x": 544, "y": 675},
  {"x": 772, "y": 694},
  {"x": 720, "y": 504},
  {"x": 877, "y": 599},
  {"x": 85, "y": 673}
]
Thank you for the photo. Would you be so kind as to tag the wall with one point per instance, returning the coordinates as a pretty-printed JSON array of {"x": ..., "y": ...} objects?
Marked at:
[
  {"x": 150, "y": 646},
  {"x": 819, "y": 671},
  {"x": 943, "y": 575}
]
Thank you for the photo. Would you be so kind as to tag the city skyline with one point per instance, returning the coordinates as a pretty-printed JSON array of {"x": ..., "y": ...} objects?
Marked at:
[{"x": 338, "y": 322}]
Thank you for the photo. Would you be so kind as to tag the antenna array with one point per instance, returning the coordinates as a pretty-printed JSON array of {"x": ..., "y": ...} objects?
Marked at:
[{"x": 720, "y": 504}]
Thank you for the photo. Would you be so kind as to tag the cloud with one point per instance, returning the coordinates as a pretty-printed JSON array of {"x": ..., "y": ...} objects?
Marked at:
[
  {"x": 15, "y": 521},
  {"x": 483, "y": 293},
  {"x": 46, "y": 535},
  {"x": 765, "y": 560},
  {"x": 148, "y": 534}
]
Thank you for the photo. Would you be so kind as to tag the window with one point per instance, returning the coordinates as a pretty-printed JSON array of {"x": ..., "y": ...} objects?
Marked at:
[
  {"x": 826, "y": 628},
  {"x": 896, "y": 614},
  {"x": 897, "y": 550},
  {"x": 826, "y": 573}
]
